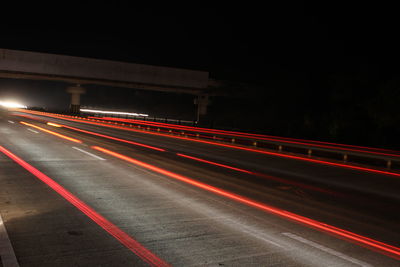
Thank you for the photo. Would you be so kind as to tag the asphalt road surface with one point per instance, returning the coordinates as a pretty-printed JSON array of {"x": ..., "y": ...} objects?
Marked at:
[{"x": 209, "y": 219}]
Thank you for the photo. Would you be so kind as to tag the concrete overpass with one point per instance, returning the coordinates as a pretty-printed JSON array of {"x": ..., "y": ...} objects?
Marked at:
[{"x": 81, "y": 71}]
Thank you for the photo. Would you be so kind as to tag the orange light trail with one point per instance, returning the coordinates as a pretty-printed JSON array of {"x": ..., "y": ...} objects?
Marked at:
[
  {"x": 370, "y": 243},
  {"x": 54, "y": 124},
  {"x": 112, "y": 229},
  {"x": 114, "y": 138},
  {"x": 51, "y": 132}
]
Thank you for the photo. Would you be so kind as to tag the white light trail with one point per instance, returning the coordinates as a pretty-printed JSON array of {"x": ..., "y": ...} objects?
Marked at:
[{"x": 112, "y": 112}]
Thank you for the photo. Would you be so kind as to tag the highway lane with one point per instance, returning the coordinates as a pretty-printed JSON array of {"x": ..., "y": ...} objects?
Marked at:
[
  {"x": 380, "y": 202},
  {"x": 355, "y": 188},
  {"x": 297, "y": 169},
  {"x": 185, "y": 225}
]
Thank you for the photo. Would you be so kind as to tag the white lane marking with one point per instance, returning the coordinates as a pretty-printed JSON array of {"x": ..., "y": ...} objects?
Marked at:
[
  {"x": 11, "y": 122},
  {"x": 33, "y": 131},
  {"x": 7, "y": 254},
  {"x": 88, "y": 153},
  {"x": 327, "y": 250},
  {"x": 253, "y": 233}
]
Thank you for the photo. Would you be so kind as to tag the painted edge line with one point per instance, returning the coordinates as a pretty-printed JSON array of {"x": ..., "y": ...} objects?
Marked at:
[
  {"x": 112, "y": 229},
  {"x": 7, "y": 254}
]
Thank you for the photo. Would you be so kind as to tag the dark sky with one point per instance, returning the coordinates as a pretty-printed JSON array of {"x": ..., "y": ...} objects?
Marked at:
[
  {"x": 295, "y": 40},
  {"x": 327, "y": 69}
]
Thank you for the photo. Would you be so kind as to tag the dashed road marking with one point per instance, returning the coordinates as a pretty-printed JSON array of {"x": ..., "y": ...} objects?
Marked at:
[
  {"x": 33, "y": 131},
  {"x": 327, "y": 250},
  {"x": 88, "y": 153},
  {"x": 11, "y": 122}
]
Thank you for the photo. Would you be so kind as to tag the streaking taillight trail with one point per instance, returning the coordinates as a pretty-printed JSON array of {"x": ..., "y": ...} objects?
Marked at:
[
  {"x": 261, "y": 175},
  {"x": 114, "y": 138},
  {"x": 243, "y": 148},
  {"x": 365, "y": 241},
  {"x": 112, "y": 229},
  {"x": 341, "y": 233},
  {"x": 329, "y": 145},
  {"x": 269, "y": 177},
  {"x": 265, "y": 152},
  {"x": 51, "y": 132}
]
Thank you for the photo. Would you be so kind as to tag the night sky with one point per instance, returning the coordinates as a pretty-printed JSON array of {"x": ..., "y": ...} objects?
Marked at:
[
  {"x": 331, "y": 66},
  {"x": 250, "y": 43}
]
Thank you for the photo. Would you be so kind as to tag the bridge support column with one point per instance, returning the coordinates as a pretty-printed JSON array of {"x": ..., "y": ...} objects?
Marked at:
[
  {"x": 75, "y": 92},
  {"x": 202, "y": 102}
]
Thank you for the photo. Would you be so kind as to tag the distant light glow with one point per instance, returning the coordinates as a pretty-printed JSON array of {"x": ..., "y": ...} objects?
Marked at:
[
  {"x": 112, "y": 112},
  {"x": 11, "y": 104}
]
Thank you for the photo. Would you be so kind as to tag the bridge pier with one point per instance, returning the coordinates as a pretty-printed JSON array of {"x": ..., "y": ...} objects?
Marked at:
[
  {"x": 75, "y": 92},
  {"x": 202, "y": 101}
]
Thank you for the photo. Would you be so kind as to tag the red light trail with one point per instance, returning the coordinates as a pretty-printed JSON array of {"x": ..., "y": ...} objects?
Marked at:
[
  {"x": 114, "y": 138},
  {"x": 381, "y": 247},
  {"x": 261, "y": 175},
  {"x": 358, "y": 168},
  {"x": 371, "y": 150},
  {"x": 262, "y": 137},
  {"x": 305, "y": 186},
  {"x": 112, "y": 229}
]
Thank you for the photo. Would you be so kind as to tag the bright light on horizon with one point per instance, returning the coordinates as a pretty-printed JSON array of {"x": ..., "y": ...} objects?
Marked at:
[
  {"x": 11, "y": 104},
  {"x": 112, "y": 112}
]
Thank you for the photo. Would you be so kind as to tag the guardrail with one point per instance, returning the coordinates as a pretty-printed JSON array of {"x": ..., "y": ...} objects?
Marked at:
[
  {"x": 380, "y": 158},
  {"x": 387, "y": 159}
]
